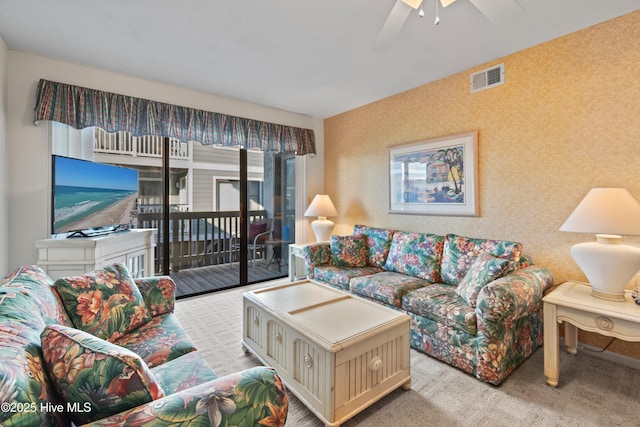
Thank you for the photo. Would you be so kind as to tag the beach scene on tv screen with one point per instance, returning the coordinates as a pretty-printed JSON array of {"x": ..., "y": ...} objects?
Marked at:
[{"x": 93, "y": 195}]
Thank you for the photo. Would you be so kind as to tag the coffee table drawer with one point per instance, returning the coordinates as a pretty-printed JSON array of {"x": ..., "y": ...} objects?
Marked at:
[
  {"x": 370, "y": 367},
  {"x": 265, "y": 333},
  {"x": 295, "y": 357},
  {"x": 310, "y": 372},
  {"x": 253, "y": 325},
  {"x": 277, "y": 338}
]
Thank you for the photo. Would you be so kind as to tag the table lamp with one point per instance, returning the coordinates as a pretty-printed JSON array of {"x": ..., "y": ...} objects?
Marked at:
[
  {"x": 322, "y": 207},
  {"x": 609, "y": 265}
]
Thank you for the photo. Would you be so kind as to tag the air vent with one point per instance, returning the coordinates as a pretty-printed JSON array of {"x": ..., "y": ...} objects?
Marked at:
[{"x": 485, "y": 79}]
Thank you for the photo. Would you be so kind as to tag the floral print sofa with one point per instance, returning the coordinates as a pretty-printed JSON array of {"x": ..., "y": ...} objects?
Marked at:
[
  {"x": 474, "y": 303},
  {"x": 104, "y": 349}
]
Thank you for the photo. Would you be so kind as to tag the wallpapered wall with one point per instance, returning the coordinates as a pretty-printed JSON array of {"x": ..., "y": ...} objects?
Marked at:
[{"x": 567, "y": 119}]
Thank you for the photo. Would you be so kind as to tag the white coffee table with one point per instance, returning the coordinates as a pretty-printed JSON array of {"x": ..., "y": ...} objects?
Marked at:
[{"x": 336, "y": 352}]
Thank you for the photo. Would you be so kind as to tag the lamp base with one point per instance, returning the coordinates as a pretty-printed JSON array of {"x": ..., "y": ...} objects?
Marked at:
[
  {"x": 608, "y": 265},
  {"x": 322, "y": 228},
  {"x": 609, "y": 296}
]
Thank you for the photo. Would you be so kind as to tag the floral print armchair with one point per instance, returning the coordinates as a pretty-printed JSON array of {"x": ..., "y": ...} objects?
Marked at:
[
  {"x": 105, "y": 349},
  {"x": 474, "y": 303}
]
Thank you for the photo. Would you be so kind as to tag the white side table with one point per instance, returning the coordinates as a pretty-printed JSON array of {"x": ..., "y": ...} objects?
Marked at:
[
  {"x": 571, "y": 303},
  {"x": 296, "y": 251}
]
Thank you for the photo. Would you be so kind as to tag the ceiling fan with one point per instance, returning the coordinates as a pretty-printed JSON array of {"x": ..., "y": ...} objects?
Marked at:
[{"x": 497, "y": 11}]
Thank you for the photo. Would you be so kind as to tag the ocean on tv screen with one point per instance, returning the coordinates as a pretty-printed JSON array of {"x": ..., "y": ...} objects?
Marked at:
[{"x": 81, "y": 208}]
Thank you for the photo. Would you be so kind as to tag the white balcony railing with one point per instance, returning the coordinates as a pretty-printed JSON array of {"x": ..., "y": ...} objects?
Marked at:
[{"x": 123, "y": 143}]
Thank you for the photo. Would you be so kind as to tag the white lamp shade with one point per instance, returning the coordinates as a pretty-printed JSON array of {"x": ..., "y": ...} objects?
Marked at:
[
  {"x": 605, "y": 211},
  {"x": 607, "y": 264},
  {"x": 321, "y": 206}
]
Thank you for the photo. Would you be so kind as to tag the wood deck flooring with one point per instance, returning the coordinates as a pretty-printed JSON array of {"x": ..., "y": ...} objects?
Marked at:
[{"x": 200, "y": 280}]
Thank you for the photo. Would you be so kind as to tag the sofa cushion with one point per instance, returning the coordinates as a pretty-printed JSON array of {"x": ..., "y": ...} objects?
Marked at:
[
  {"x": 386, "y": 287},
  {"x": 416, "y": 254},
  {"x": 445, "y": 343},
  {"x": 442, "y": 304},
  {"x": 340, "y": 276},
  {"x": 23, "y": 378},
  {"x": 460, "y": 252},
  {"x": 34, "y": 284},
  {"x": 184, "y": 372},
  {"x": 158, "y": 294},
  {"x": 348, "y": 251},
  {"x": 378, "y": 243},
  {"x": 105, "y": 302},
  {"x": 28, "y": 301},
  {"x": 99, "y": 377},
  {"x": 485, "y": 269},
  {"x": 158, "y": 341}
]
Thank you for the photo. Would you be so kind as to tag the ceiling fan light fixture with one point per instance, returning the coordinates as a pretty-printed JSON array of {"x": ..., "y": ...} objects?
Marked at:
[
  {"x": 446, "y": 3},
  {"x": 499, "y": 12},
  {"x": 413, "y": 3}
]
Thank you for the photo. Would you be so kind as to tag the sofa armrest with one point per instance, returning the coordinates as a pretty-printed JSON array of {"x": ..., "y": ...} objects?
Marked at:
[
  {"x": 515, "y": 295},
  {"x": 158, "y": 293},
  {"x": 251, "y": 397},
  {"x": 316, "y": 254}
]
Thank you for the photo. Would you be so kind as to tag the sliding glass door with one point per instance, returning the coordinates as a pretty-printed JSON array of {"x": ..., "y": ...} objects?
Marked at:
[{"x": 241, "y": 217}]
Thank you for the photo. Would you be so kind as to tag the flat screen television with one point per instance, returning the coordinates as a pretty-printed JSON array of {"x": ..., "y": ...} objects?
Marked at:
[{"x": 90, "y": 198}]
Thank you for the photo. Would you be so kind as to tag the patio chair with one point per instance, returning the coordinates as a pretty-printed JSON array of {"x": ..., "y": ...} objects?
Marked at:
[{"x": 258, "y": 233}]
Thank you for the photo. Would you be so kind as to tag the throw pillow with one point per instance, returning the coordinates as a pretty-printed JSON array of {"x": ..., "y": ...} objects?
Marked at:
[
  {"x": 460, "y": 253},
  {"x": 106, "y": 302},
  {"x": 378, "y": 243},
  {"x": 416, "y": 254},
  {"x": 255, "y": 229},
  {"x": 95, "y": 377},
  {"x": 485, "y": 269},
  {"x": 349, "y": 251}
]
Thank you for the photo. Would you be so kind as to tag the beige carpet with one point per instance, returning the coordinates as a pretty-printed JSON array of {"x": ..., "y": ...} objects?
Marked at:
[{"x": 592, "y": 391}]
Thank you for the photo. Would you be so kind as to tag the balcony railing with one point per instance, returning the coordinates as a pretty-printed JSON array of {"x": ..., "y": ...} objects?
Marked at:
[
  {"x": 123, "y": 143},
  {"x": 196, "y": 239}
]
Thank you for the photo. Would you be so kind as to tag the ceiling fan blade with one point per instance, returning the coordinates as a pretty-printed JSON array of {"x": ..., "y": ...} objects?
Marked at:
[
  {"x": 393, "y": 24},
  {"x": 446, "y": 3},
  {"x": 498, "y": 11}
]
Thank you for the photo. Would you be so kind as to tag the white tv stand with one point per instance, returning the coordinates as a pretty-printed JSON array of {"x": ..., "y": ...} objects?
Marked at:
[{"x": 62, "y": 257}]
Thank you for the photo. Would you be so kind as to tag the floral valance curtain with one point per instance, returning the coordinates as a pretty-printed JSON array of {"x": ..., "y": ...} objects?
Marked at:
[{"x": 81, "y": 107}]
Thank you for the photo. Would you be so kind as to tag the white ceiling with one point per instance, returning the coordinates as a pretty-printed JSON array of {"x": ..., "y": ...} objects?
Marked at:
[{"x": 314, "y": 57}]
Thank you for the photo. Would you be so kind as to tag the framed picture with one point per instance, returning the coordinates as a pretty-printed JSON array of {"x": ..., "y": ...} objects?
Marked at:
[{"x": 435, "y": 177}]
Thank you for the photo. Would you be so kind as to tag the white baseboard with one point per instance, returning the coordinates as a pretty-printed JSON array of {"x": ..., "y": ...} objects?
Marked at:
[{"x": 607, "y": 355}]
